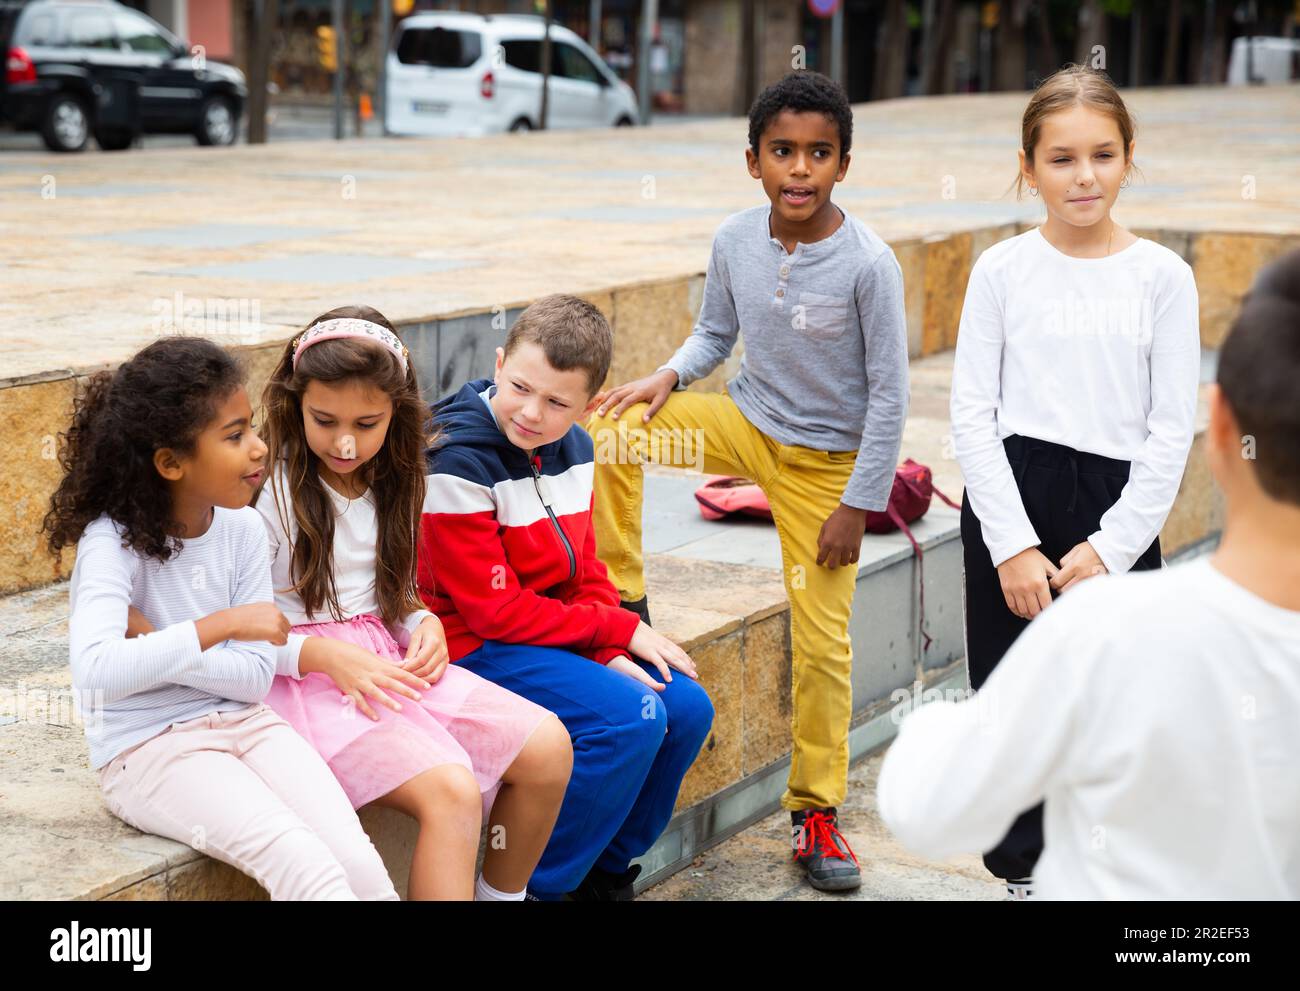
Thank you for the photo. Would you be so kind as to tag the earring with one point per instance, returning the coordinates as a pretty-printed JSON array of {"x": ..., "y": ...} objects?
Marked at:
[
  {"x": 1125, "y": 183},
  {"x": 1033, "y": 190}
]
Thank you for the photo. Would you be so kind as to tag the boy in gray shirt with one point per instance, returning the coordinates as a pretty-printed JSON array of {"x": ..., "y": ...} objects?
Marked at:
[{"x": 815, "y": 417}]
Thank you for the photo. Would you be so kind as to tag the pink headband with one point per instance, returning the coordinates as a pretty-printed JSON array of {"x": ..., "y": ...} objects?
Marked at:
[{"x": 332, "y": 330}]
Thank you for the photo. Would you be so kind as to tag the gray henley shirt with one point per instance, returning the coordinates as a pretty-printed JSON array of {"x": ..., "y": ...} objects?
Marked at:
[{"x": 825, "y": 362}]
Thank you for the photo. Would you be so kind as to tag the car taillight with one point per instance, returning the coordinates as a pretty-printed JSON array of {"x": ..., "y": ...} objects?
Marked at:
[
  {"x": 487, "y": 85},
  {"x": 19, "y": 68}
]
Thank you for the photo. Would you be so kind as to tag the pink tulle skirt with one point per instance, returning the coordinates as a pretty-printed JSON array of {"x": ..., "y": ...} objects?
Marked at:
[{"x": 462, "y": 719}]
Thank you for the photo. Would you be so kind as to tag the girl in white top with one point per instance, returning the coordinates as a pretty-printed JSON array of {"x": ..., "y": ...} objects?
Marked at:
[
  {"x": 1073, "y": 392},
  {"x": 172, "y": 629},
  {"x": 347, "y": 431},
  {"x": 1163, "y": 737}
]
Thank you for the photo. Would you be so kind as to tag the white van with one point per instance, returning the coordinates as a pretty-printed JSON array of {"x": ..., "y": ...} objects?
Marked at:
[
  {"x": 453, "y": 74},
  {"x": 1273, "y": 60}
]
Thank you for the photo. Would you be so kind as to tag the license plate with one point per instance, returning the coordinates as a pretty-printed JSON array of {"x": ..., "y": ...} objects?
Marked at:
[{"x": 425, "y": 107}]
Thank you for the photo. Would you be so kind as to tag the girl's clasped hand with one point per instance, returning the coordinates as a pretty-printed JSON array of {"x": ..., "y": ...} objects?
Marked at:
[{"x": 1029, "y": 577}]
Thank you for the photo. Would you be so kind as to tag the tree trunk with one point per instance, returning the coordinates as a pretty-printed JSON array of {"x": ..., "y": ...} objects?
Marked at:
[
  {"x": 745, "y": 76},
  {"x": 546, "y": 70},
  {"x": 891, "y": 53},
  {"x": 945, "y": 26},
  {"x": 1010, "y": 42},
  {"x": 260, "y": 69},
  {"x": 1048, "y": 59},
  {"x": 1136, "y": 29},
  {"x": 1091, "y": 36},
  {"x": 1173, "y": 40},
  {"x": 1219, "y": 43}
]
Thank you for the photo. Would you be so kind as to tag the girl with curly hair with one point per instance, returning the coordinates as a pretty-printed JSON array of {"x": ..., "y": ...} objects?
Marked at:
[
  {"x": 347, "y": 431},
  {"x": 173, "y": 628}
]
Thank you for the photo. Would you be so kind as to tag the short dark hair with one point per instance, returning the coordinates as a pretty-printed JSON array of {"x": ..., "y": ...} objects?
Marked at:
[
  {"x": 1259, "y": 368},
  {"x": 803, "y": 91},
  {"x": 572, "y": 332}
]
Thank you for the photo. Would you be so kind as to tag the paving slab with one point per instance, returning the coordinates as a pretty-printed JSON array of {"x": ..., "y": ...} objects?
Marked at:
[
  {"x": 755, "y": 865},
  {"x": 432, "y": 228}
]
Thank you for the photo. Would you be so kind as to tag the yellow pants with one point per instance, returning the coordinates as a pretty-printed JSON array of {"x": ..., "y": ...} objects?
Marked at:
[{"x": 803, "y": 486}]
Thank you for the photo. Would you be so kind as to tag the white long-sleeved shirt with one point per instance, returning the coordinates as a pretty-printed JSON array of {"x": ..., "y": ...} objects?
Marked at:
[
  {"x": 356, "y": 532},
  {"x": 1163, "y": 740},
  {"x": 1099, "y": 354},
  {"x": 127, "y": 691}
]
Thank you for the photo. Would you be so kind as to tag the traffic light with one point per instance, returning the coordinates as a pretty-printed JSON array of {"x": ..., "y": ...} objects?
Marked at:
[{"x": 328, "y": 47}]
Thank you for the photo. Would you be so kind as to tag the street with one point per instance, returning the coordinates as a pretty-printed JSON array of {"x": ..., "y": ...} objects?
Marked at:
[{"x": 285, "y": 122}]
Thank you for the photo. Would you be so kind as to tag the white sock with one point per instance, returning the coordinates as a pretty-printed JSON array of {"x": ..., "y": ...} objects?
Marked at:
[
  {"x": 484, "y": 892},
  {"x": 1020, "y": 890}
]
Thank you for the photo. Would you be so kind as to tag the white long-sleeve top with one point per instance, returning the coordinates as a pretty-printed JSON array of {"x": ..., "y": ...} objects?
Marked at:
[
  {"x": 1163, "y": 740},
  {"x": 356, "y": 532},
  {"x": 127, "y": 691},
  {"x": 1099, "y": 354}
]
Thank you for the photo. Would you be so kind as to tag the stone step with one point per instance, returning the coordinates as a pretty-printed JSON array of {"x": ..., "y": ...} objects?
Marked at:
[
  {"x": 714, "y": 586},
  {"x": 59, "y": 841}
]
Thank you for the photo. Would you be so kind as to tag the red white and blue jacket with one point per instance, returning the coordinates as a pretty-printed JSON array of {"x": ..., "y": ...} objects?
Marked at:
[{"x": 507, "y": 547}]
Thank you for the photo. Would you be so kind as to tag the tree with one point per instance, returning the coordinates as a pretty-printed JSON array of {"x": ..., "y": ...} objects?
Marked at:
[
  {"x": 1009, "y": 73},
  {"x": 266, "y": 15},
  {"x": 1173, "y": 42},
  {"x": 546, "y": 69},
  {"x": 935, "y": 74},
  {"x": 1092, "y": 32},
  {"x": 892, "y": 39},
  {"x": 1048, "y": 58}
]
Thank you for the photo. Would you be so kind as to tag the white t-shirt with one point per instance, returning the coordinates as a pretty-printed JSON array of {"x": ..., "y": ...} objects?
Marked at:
[
  {"x": 356, "y": 532},
  {"x": 1163, "y": 740},
  {"x": 1099, "y": 354},
  {"x": 129, "y": 690}
]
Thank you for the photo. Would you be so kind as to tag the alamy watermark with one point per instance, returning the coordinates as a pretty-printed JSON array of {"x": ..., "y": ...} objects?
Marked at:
[
  {"x": 22, "y": 703},
  {"x": 1074, "y": 315},
  {"x": 905, "y": 701},
  {"x": 661, "y": 445},
  {"x": 233, "y": 320}
]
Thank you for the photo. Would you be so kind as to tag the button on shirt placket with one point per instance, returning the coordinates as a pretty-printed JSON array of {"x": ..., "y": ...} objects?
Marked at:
[{"x": 782, "y": 278}]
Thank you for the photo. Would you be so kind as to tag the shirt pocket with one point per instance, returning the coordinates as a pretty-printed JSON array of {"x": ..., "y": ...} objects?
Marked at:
[{"x": 825, "y": 318}]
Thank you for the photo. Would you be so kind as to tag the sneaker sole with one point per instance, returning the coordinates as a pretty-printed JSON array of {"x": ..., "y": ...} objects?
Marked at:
[{"x": 835, "y": 883}]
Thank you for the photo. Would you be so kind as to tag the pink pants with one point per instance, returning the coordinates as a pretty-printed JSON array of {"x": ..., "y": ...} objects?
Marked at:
[{"x": 242, "y": 786}]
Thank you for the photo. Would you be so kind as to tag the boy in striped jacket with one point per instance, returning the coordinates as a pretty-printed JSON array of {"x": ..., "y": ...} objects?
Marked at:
[{"x": 508, "y": 562}]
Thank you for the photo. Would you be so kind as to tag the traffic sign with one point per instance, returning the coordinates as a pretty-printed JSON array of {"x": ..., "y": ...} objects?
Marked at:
[{"x": 823, "y": 8}]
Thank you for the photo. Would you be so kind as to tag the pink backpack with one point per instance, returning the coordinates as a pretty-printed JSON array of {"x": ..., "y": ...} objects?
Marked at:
[{"x": 728, "y": 495}]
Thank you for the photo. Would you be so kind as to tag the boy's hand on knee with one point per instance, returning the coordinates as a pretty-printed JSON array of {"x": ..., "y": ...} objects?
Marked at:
[
  {"x": 840, "y": 542},
  {"x": 655, "y": 648},
  {"x": 653, "y": 389},
  {"x": 634, "y": 670}
]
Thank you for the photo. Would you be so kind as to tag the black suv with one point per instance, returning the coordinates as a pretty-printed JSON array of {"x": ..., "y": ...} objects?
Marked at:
[{"x": 76, "y": 68}]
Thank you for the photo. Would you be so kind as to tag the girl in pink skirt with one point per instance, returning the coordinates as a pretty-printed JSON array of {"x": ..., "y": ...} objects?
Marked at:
[{"x": 347, "y": 431}]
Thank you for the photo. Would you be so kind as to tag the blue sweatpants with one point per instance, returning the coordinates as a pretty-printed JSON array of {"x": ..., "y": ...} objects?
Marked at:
[{"x": 632, "y": 746}]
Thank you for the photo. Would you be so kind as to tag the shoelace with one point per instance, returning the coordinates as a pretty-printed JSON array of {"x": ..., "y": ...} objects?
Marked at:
[{"x": 820, "y": 832}]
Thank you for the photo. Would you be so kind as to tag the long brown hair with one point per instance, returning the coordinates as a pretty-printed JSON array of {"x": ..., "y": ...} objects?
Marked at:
[
  {"x": 1075, "y": 85},
  {"x": 395, "y": 474}
]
